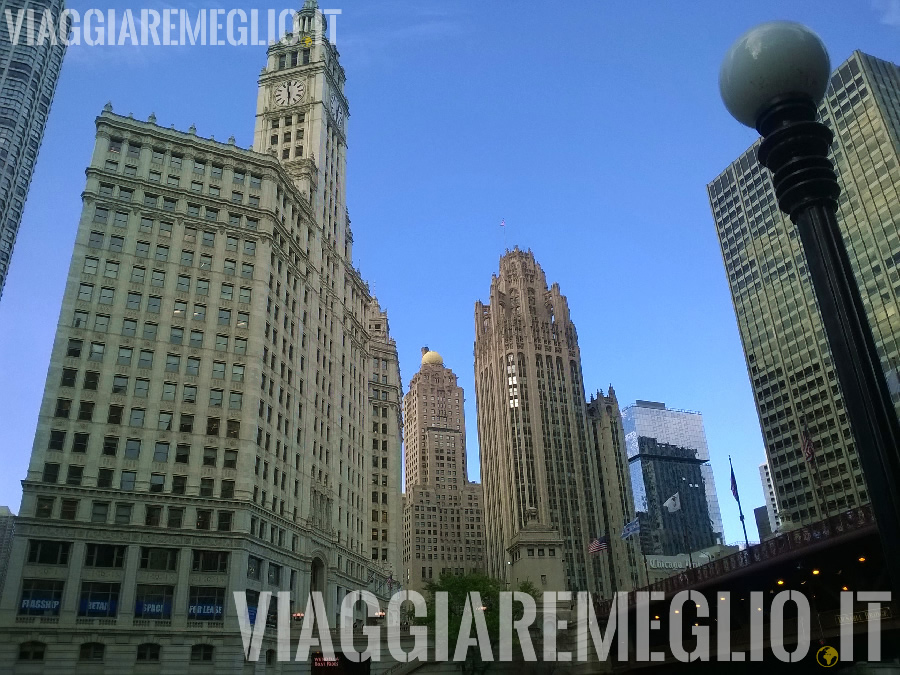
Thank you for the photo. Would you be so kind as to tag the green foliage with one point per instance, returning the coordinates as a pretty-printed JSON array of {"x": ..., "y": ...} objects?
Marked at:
[{"x": 458, "y": 589}]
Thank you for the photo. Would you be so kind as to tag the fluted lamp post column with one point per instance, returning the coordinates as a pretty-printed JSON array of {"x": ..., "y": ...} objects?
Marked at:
[{"x": 773, "y": 79}]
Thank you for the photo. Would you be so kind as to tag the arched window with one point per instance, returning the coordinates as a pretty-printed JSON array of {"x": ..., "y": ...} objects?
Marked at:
[
  {"x": 149, "y": 651},
  {"x": 91, "y": 651},
  {"x": 270, "y": 657},
  {"x": 32, "y": 651},
  {"x": 202, "y": 653}
]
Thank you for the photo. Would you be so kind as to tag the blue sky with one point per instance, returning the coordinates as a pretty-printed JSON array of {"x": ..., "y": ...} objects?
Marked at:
[{"x": 591, "y": 127}]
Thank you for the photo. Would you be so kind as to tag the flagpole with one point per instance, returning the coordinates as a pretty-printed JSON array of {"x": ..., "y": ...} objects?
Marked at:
[
  {"x": 738, "y": 499},
  {"x": 684, "y": 537}
]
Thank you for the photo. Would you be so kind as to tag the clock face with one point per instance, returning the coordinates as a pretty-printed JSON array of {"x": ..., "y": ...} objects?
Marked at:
[
  {"x": 290, "y": 92},
  {"x": 337, "y": 111}
]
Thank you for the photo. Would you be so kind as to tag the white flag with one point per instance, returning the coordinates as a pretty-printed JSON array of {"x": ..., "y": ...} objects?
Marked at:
[{"x": 673, "y": 503}]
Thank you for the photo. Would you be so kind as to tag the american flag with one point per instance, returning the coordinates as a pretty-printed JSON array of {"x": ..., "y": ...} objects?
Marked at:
[
  {"x": 809, "y": 450},
  {"x": 598, "y": 545}
]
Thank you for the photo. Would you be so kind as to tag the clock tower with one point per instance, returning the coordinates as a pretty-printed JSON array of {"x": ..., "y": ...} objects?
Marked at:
[{"x": 301, "y": 118}]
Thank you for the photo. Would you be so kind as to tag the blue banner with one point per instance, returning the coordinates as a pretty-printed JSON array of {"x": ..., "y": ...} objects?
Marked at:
[
  {"x": 153, "y": 610},
  {"x": 97, "y": 608},
  {"x": 41, "y": 604},
  {"x": 209, "y": 612}
]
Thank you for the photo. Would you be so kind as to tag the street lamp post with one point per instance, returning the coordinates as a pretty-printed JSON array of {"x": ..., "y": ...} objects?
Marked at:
[{"x": 772, "y": 79}]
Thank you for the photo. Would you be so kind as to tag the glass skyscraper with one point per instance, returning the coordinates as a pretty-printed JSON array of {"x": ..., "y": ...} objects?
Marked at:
[
  {"x": 787, "y": 354},
  {"x": 28, "y": 76},
  {"x": 667, "y": 453}
]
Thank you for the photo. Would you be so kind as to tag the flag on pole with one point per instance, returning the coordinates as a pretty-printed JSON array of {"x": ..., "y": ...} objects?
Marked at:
[
  {"x": 809, "y": 450},
  {"x": 598, "y": 545},
  {"x": 390, "y": 581},
  {"x": 734, "y": 489},
  {"x": 503, "y": 222},
  {"x": 673, "y": 503},
  {"x": 631, "y": 528}
]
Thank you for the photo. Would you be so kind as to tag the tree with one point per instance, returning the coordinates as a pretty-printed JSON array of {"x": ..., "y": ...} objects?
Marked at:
[{"x": 458, "y": 589}]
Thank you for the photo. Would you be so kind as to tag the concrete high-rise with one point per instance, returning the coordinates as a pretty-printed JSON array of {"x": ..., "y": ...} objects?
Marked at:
[
  {"x": 208, "y": 420},
  {"x": 28, "y": 77},
  {"x": 787, "y": 354},
  {"x": 765, "y": 477},
  {"x": 7, "y": 530},
  {"x": 667, "y": 453},
  {"x": 761, "y": 514},
  {"x": 443, "y": 520},
  {"x": 544, "y": 497}
]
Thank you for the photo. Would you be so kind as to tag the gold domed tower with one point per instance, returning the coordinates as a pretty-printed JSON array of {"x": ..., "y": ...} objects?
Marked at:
[
  {"x": 431, "y": 358},
  {"x": 438, "y": 491}
]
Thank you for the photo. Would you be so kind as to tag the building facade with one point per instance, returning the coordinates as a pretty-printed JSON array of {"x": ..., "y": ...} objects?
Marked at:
[
  {"x": 543, "y": 492},
  {"x": 28, "y": 77},
  {"x": 206, "y": 421},
  {"x": 787, "y": 355},
  {"x": 443, "y": 519},
  {"x": 385, "y": 397},
  {"x": 668, "y": 454},
  {"x": 626, "y": 567},
  {"x": 761, "y": 514},
  {"x": 7, "y": 530},
  {"x": 765, "y": 477}
]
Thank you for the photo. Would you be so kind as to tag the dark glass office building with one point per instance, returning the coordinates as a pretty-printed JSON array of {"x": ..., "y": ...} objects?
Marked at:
[{"x": 667, "y": 454}]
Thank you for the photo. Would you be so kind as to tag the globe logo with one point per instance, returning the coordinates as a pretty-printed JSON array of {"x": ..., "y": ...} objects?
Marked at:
[{"x": 827, "y": 656}]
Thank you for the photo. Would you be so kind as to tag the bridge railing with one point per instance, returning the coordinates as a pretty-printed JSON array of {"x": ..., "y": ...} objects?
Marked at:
[{"x": 794, "y": 540}]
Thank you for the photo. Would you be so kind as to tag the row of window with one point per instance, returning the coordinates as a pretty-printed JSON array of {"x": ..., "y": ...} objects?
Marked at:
[
  {"x": 207, "y": 238},
  {"x": 143, "y": 359},
  {"x": 150, "y": 331},
  {"x": 158, "y": 278},
  {"x": 136, "y": 418},
  {"x": 173, "y": 180},
  {"x": 176, "y": 161},
  {"x": 52, "y": 552},
  {"x": 161, "y": 253},
  {"x": 153, "y": 515},
  {"x": 101, "y": 212},
  {"x": 99, "y": 599},
  {"x": 106, "y": 476},
  {"x": 132, "y": 449},
  {"x": 294, "y": 59},
  {"x": 134, "y": 301},
  {"x": 147, "y": 652},
  {"x": 141, "y": 389}
]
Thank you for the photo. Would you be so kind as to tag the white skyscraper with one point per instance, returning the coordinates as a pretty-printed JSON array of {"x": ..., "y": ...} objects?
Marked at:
[
  {"x": 765, "y": 477},
  {"x": 221, "y": 411}
]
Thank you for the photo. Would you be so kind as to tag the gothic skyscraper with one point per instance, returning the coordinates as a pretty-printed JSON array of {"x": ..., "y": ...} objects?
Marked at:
[{"x": 540, "y": 465}]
